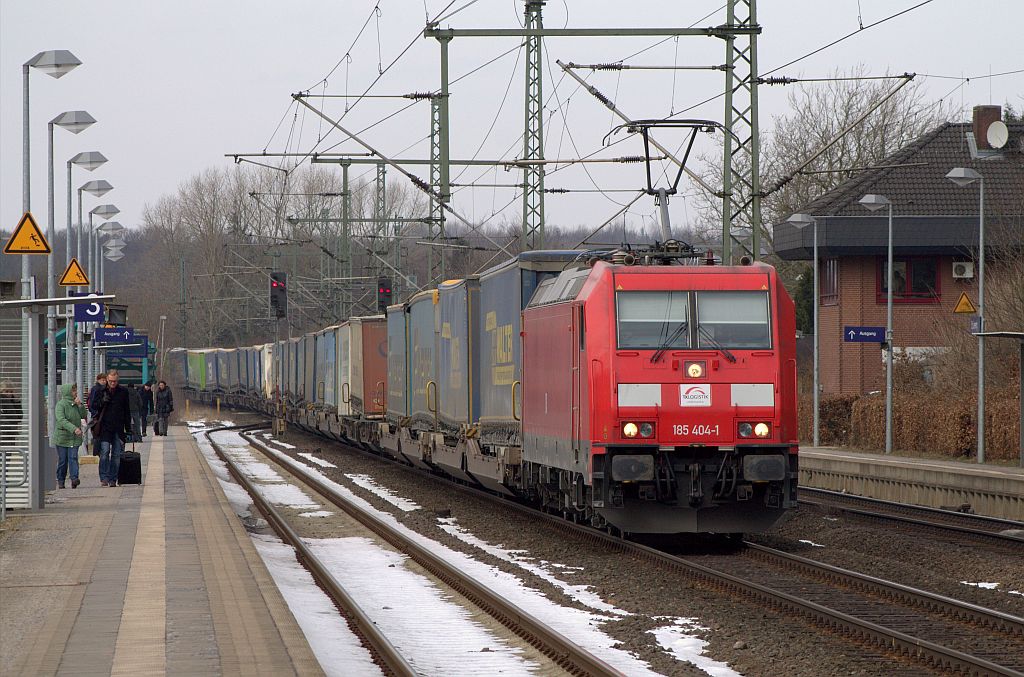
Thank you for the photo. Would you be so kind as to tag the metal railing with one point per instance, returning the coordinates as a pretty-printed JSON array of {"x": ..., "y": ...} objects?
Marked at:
[{"x": 4, "y": 484}]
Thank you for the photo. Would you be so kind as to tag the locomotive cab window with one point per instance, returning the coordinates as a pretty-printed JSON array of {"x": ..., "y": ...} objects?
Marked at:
[
  {"x": 653, "y": 319},
  {"x": 733, "y": 319}
]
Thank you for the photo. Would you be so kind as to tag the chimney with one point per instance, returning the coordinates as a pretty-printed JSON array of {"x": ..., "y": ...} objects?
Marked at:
[{"x": 984, "y": 116}]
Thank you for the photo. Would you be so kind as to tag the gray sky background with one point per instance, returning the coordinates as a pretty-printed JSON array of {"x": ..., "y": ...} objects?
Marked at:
[{"x": 176, "y": 85}]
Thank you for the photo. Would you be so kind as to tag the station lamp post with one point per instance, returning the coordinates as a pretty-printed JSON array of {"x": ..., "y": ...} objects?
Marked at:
[
  {"x": 56, "y": 63},
  {"x": 965, "y": 176},
  {"x": 89, "y": 160},
  {"x": 801, "y": 221},
  {"x": 874, "y": 203},
  {"x": 105, "y": 212},
  {"x": 75, "y": 121}
]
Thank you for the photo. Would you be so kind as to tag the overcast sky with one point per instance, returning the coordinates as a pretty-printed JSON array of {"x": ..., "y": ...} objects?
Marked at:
[{"x": 176, "y": 85}]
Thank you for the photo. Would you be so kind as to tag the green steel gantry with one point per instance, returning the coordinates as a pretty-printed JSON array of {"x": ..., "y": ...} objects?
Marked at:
[{"x": 740, "y": 194}]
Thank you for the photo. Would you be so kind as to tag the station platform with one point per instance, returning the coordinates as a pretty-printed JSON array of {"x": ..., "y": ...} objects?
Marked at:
[
  {"x": 142, "y": 580},
  {"x": 993, "y": 490}
]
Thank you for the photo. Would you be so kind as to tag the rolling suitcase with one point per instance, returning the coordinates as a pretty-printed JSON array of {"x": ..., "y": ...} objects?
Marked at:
[{"x": 130, "y": 470}]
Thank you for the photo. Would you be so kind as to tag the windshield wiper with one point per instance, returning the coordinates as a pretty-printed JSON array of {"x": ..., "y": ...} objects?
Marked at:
[
  {"x": 683, "y": 326},
  {"x": 714, "y": 343}
]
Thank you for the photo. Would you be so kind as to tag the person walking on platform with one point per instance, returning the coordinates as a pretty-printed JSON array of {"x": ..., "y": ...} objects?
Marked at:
[
  {"x": 69, "y": 414},
  {"x": 92, "y": 403},
  {"x": 164, "y": 407},
  {"x": 135, "y": 406},
  {"x": 115, "y": 425},
  {"x": 147, "y": 405}
]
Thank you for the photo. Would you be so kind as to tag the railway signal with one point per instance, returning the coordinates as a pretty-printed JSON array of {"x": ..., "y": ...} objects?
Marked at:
[
  {"x": 279, "y": 294},
  {"x": 383, "y": 294}
]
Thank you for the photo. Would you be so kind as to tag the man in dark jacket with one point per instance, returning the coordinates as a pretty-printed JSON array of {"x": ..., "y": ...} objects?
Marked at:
[
  {"x": 164, "y": 407},
  {"x": 147, "y": 405},
  {"x": 115, "y": 428},
  {"x": 92, "y": 403}
]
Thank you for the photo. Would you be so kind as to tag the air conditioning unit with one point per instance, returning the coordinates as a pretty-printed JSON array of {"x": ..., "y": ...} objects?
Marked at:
[{"x": 963, "y": 270}]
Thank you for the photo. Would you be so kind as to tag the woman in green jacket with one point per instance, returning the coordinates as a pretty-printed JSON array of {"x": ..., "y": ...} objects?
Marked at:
[{"x": 68, "y": 435}]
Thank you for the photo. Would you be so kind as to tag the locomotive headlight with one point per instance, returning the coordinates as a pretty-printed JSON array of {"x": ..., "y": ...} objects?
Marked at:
[
  {"x": 762, "y": 430},
  {"x": 746, "y": 430},
  {"x": 646, "y": 430},
  {"x": 629, "y": 429},
  {"x": 694, "y": 369}
]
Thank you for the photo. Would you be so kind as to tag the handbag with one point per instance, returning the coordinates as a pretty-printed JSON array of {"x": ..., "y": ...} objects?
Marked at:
[{"x": 96, "y": 427}]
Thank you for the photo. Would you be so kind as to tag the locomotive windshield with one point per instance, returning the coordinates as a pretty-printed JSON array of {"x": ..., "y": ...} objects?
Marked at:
[
  {"x": 651, "y": 319},
  {"x": 733, "y": 319}
]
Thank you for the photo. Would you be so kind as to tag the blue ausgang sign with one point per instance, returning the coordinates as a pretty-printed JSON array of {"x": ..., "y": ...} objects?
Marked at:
[
  {"x": 864, "y": 334},
  {"x": 115, "y": 334}
]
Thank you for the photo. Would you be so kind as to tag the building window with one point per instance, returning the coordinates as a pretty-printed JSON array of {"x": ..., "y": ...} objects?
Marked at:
[
  {"x": 829, "y": 282},
  {"x": 915, "y": 280}
]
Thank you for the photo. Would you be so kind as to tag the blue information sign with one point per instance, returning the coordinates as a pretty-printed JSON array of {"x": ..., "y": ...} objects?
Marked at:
[
  {"x": 139, "y": 348},
  {"x": 115, "y": 334},
  {"x": 864, "y": 334},
  {"x": 88, "y": 312}
]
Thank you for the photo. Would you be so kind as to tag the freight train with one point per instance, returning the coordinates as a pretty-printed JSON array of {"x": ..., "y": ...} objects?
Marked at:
[{"x": 643, "y": 391}]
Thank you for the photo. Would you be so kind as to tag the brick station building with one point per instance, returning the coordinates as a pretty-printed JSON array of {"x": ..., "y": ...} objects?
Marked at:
[{"x": 935, "y": 243}]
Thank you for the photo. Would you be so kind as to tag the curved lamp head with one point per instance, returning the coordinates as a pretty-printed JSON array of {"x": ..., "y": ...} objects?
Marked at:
[
  {"x": 110, "y": 228},
  {"x": 105, "y": 212},
  {"x": 801, "y": 220},
  {"x": 112, "y": 256},
  {"x": 963, "y": 176},
  {"x": 97, "y": 188},
  {"x": 90, "y": 160},
  {"x": 874, "y": 202},
  {"x": 74, "y": 121},
  {"x": 55, "y": 62}
]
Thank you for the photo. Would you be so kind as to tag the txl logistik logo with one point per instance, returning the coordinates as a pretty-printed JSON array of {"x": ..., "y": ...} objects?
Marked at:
[{"x": 695, "y": 395}]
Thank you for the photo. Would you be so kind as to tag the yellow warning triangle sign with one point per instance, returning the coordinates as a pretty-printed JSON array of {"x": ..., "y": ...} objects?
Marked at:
[
  {"x": 27, "y": 238},
  {"x": 74, "y": 276},
  {"x": 964, "y": 305}
]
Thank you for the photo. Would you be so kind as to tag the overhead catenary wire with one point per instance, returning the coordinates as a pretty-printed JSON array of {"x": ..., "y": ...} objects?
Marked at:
[
  {"x": 416, "y": 181},
  {"x": 811, "y": 53}
]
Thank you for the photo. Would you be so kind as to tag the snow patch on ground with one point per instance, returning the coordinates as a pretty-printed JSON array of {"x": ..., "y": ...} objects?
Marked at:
[
  {"x": 237, "y": 496},
  {"x": 202, "y": 424},
  {"x": 318, "y": 461},
  {"x": 1015, "y": 592},
  {"x": 986, "y": 586},
  {"x": 582, "y": 627},
  {"x": 830, "y": 519},
  {"x": 273, "y": 440},
  {"x": 234, "y": 444},
  {"x": 268, "y": 482},
  {"x": 368, "y": 483},
  {"x": 317, "y": 513},
  {"x": 678, "y": 640},
  {"x": 812, "y": 543},
  {"x": 339, "y": 652},
  {"x": 287, "y": 495},
  {"x": 580, "y": 593},
  {"x": 406, "y": 605}
]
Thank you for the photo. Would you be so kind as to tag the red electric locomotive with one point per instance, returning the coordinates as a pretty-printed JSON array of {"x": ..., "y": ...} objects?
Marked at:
[{"x": 661, "y": 398}]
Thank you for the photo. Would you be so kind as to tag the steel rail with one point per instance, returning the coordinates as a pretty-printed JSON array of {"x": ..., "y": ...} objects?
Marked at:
[
  {"x": 963, "y": 612},
  {"x": 362, "y": 625},
  {"x": 929, "y": 653},
  {"x": 983, "y": 529},
  {"x": 554, "y": 645}
]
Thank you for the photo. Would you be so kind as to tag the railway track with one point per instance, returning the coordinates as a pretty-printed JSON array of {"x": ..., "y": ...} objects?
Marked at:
[
  {"x": 976, "y": 527},
  {"x": 560, "y": 650},
  {"x": 939, "y": 632}
]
